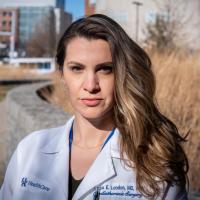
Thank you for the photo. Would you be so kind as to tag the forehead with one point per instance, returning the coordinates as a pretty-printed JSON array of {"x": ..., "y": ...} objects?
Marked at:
[{"x": 84, "y": 49}]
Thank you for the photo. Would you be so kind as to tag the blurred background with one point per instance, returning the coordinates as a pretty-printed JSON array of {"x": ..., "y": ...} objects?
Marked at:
[{"x": 31, "y": 90}]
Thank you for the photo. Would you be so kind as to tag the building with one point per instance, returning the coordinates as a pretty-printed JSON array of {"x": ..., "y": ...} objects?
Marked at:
[
  {"x": 63, "y": 19},
  {"x": 31, "y": 13},
  {"x": 28, "y": 19},
  {"x": 90, "y": 7},
  {"x": 134, "y": 15},
  {"x": 8, "y": 30},
  {"x": 41, "y": 65},
  {"x": 35, "y": 3},
  {"x": 129, "y": 15}
]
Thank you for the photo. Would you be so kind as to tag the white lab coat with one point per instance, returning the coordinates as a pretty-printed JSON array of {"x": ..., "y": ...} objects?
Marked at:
[{"x": 38, "y": 170}]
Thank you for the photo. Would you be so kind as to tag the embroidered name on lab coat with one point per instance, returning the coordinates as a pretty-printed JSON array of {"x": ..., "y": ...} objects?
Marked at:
[
  {"x": 119, "y": 190},
  {"x": 32, "y": 184}
]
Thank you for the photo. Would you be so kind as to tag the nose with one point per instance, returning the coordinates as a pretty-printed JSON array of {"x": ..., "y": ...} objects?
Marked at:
[{"x": 91, "y": 83}]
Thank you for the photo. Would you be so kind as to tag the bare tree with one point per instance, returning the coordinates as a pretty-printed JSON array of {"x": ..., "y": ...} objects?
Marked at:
[
  {"x": 167, "y": 31},
  {"x": 43, "y": 40}
]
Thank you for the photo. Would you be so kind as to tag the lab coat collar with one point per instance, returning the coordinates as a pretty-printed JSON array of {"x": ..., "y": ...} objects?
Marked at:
[
  {"x": 96, "y": 175},
  {"x": 59, "y": 141},
  {"x": 58, "y": 148},
  {"x": 102, "y": 169},
  {"x": 55, "y": 145}
]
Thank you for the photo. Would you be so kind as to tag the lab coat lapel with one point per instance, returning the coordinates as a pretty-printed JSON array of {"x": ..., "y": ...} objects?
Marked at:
[
  {"x": 59, "y": 149},
  {"x": 102, "y": 170},
  {"x": 61, "y": 168}
]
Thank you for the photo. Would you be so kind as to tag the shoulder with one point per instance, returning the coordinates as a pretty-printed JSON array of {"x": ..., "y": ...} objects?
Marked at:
[
  {"x": 175, "y": 192},
  {"x": 40, "y": 138}
]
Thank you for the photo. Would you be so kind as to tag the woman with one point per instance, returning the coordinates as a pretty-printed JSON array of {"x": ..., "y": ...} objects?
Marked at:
[{"x": 117, "y": 145}]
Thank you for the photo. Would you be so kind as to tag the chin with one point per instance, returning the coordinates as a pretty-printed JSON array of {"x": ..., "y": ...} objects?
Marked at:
[{"x": 94, "y": 114}]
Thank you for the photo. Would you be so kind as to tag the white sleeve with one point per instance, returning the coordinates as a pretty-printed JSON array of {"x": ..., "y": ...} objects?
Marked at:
[
  {"x": 7, "y": 188},
  {"x": 174, "y": 192}
]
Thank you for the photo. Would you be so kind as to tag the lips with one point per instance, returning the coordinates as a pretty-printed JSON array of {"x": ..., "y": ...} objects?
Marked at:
[{"x": 91, "y": 101}]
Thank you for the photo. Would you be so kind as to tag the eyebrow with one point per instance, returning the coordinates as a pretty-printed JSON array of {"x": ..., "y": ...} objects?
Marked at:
[{"x": 98, "y": 65}]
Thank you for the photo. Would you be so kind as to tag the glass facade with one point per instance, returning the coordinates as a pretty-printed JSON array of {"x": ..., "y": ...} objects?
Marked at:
[
  {"x": 29, "y": 17},
  {"x": 60, "y": 4}
]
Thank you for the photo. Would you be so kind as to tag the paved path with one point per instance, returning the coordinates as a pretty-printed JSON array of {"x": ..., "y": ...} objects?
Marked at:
[{"x": 2, "y": 117}]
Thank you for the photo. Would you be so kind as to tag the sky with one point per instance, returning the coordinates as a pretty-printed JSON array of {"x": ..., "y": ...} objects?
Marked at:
[{"x": 76, "y": 7}]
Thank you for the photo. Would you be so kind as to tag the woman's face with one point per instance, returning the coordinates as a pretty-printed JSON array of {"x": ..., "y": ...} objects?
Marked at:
[{"x": 89, "y": 78}]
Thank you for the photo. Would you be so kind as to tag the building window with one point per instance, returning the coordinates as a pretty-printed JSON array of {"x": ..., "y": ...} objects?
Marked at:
[
  {"x": 10, "y": 23},
  {"x": 4, "y": 13},
  {"x": 10, "y": 14},
  {"x": 4, "y": 23}
]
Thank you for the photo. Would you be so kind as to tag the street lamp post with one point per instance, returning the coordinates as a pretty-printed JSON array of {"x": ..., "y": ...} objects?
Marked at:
[{"x": 137, "y": 5}]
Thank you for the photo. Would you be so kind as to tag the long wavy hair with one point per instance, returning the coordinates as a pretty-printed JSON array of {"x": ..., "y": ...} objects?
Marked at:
[{"x": 149, "y": 139}]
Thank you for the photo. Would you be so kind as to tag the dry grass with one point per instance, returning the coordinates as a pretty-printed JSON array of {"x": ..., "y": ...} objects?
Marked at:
[
  {"x": 12, "y": 73},
  {"x": 178, "y": 98},
  {"x": 59, "y": 95}
]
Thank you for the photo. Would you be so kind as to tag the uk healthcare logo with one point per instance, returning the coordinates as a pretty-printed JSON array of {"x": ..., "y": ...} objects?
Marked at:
[{"x": 25, "y": 182}]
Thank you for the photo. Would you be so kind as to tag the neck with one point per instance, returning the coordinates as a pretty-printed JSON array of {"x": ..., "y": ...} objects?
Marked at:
[{"x": 90, "y": 133}]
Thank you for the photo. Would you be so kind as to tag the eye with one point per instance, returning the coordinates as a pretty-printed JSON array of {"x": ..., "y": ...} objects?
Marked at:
[
  {"x": 76, "y": 68},
  {"x": 106, "y": 69}
]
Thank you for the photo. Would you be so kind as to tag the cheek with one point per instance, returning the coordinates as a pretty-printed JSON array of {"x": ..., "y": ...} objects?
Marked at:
[
  {"x": 67, "y": 90},
  {"x": 108, "y": 89},
  {"x": 71, "y": 90},
  {"x": 109, "y": 86},
  {"x": 112, "y": 88}
]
